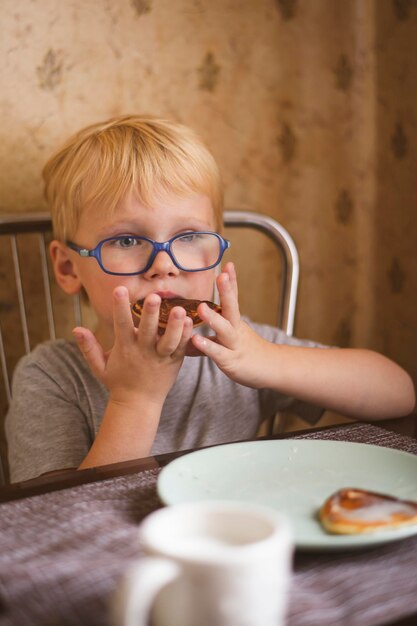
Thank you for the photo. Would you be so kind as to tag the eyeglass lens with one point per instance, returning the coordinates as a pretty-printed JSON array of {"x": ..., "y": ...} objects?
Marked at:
[{"x": 192, "y": 251}]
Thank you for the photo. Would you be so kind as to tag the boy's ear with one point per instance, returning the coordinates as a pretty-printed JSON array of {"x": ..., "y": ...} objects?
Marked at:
[{"x": 65, "y": 270}]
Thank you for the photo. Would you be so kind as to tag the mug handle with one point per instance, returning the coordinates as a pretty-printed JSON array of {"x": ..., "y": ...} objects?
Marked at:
[{"x": 138, "y": 589}]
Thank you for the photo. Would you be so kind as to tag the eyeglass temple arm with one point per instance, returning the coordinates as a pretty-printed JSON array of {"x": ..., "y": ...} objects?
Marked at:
[{"x": 81, "y": 251}]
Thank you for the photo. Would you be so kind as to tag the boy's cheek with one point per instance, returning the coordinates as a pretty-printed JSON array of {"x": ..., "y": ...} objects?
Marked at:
[{"x": 203, "y": 287}]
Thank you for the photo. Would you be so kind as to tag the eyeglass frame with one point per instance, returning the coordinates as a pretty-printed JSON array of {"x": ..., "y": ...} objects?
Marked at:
[{"x": 157, "y": 246}]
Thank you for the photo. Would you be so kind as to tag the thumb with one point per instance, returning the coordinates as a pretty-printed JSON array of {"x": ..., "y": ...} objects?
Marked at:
[
  {"x": 90, "y": 349},
  {"x": 192, "y": 350}
]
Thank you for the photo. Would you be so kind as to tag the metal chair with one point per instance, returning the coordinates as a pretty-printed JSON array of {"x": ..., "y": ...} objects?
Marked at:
[
  {"x": 289, "y": 257},
  {"x": 19, "y": 335}
]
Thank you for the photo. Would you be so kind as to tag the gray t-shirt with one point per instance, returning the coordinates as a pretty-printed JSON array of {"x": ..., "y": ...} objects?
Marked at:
[{"x": 58, "y": 405}]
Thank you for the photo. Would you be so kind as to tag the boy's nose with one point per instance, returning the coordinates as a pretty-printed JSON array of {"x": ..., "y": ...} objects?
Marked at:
[{"x": 162, "y": 265}]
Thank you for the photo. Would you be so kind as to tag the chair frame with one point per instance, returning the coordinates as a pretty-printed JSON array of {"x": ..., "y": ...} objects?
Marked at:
[
  {"x": 40, "y": 223},
  {"x": 13, "y": 226},
  {"x": 289, "y": 256}
]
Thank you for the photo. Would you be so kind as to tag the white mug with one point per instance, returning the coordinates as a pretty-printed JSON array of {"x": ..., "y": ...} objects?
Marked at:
[{"x": 209, "y": 564}]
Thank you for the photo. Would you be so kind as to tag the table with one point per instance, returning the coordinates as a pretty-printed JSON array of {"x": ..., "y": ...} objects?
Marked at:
[{"x": 64, "y": 543}]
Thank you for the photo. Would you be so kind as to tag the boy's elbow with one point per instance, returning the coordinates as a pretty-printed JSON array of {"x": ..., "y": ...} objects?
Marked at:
[
  {"x": 397, "y": 388},
  {"x": 412, "y": 397},
  {"x": 408, "y": 396}
]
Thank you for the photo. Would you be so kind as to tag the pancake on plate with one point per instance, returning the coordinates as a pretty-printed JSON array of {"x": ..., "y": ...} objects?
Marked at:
[{"x": 352, "y": 511}]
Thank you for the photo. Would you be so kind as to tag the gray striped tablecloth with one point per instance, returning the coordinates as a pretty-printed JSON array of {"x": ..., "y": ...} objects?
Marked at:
[{"x": 62, "y": 553}]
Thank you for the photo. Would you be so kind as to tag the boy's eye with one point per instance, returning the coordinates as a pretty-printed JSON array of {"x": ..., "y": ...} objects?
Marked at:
[
  {"x": 189, "y": 237},
  {"x": 126, "y": 242}
]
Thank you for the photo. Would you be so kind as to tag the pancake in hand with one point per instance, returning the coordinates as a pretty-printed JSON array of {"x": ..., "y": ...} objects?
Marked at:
[
  {"x": 167, "y": 304},
  {"x": 356, "y": 511}
]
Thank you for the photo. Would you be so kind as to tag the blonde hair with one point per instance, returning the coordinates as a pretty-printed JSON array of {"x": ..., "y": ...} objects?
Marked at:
[{"x": 101, "y": 164}]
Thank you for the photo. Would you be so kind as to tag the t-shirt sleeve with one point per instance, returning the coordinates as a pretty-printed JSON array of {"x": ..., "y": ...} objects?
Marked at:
[
  {"x": 273, "y": 402},
  {"x": 46, "y": 431}
]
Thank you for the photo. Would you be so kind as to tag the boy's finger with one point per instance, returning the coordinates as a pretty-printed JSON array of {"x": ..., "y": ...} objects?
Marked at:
[
  {"x": 187, "y": 333},
  {"x": 230, "y": 269},
  {"x": 212, "y": 349},
  {"x": 169, "y": 341},
  {"x": 122, "y": 316},
  {"x": 228, "y": 298},
  {"x": 148, "y": 325},
  {"x": 192, "y": 350},
  {"x": 225, "y": 334},
  {"x": 90, "y": 349}
]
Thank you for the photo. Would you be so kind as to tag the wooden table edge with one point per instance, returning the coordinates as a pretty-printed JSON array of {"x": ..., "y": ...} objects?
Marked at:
[{"x": 74, "y": 477}]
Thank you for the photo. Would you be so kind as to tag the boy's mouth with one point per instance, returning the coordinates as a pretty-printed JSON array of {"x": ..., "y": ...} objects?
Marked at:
[{"x": 167, "y": 295}]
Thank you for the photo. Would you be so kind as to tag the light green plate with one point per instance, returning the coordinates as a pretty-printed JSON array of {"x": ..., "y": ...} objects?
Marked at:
[{"x": 294, "y": 477}]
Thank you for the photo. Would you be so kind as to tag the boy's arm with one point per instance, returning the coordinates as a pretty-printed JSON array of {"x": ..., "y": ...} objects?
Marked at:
[
  {"x": 126, "y": 432},
  {"x": 138, "y": 371},
  {"x": 357, "y": 383}
]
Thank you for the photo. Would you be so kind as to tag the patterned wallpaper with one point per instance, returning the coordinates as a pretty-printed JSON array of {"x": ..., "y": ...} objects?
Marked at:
[{"x": 309, "y": 107}]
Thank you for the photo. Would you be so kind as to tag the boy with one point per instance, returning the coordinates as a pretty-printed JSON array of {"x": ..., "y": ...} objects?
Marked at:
[{"x": 114, "y": 189}]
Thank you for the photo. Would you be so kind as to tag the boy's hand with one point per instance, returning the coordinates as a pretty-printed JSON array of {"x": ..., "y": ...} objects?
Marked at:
[
  {"x": 236, "y": 349},
  {"x": 142, "y": 365}
]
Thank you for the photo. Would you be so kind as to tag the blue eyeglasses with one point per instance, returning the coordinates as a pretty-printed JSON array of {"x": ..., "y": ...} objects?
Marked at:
[{"x": 127, "y": 255}]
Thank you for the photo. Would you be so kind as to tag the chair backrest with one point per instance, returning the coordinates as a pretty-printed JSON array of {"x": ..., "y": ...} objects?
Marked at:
[{"x": 26, "y": 284}]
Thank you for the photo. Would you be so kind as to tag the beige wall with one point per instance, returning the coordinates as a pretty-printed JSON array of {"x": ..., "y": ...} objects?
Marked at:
[{"x": 309, "y": 107}]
